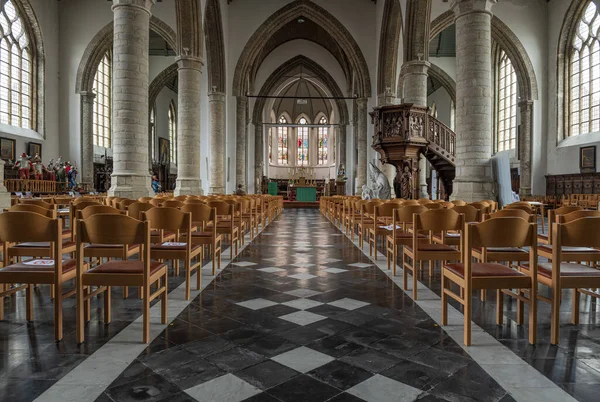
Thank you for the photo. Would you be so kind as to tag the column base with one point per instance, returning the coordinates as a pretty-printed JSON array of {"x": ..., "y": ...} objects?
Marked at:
[
  {"x": 5, "y": 199},
  {"x": 524, "y": 191},
  {"x": 188, "y": 187},
  {"x": 472, "y": 191},
  {"x": 423, "y": 191},
  {"x": 216, "y": 190},
  {"x": 130, "y": 186}
]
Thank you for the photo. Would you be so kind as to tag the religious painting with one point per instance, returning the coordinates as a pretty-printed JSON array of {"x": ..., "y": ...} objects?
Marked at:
[
  {"x": 7, "y": 149},
  {"x": 587, "y": 159},
  {"x": 34, "y": 148},
  {"x": 163, "y": 151}
]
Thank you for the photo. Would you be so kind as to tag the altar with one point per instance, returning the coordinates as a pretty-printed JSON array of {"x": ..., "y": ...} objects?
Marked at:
[{"x": 303, "y": 193}]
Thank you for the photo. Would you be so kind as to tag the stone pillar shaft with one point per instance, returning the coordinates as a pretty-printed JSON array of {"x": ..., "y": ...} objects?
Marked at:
[
  {"x": 341, "y": 145},
  {"x": 474, "y": 100},
  {"x": 259, "y": 163},
  {"x": 130, "y": 176},
  {"x": 415, "y": 82},
  {"x": 361, "y": 174},
  {"x": 526, "y": 108},
  {"x": 217, "y": 142},
  {"x": 423, "y": 177},
  {"x": 189, "y": 96},
  {"x": 87, "y": 137},
  {"x": 240, "y": 141}
]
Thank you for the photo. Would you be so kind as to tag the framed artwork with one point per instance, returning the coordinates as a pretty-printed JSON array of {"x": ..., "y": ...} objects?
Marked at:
[
  {"x": 163, "y": 150},
  {"x": 587, "y": 159},
  {"x": 34, "y": 148},
  {"x": 7, "y": 149}
]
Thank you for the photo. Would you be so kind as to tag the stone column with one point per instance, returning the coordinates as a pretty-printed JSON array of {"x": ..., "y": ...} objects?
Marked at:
[
  {"x": 415, "y": 82},
  {"x": 130, "y": 177},
  {"x": 423, "y": 177},
  {"x": 87, "y": 137},
  {"x": 259, "y": 163},
  {"x": 361, "y": 118},
  {"x": 240, "y": 141},
  {"x": 526, "y": 108},
  {"x": 189, "y": 75},
  {"x": 341, "y": 145},
  {"x": 217, "y": 142},
  {"x": 4, "y": 194},
  {"x": 473, "y": 180}
]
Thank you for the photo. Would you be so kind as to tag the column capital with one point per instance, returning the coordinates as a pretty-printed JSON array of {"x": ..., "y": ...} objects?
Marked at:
[
  {"x": 527, "y": 103},
  {"x": 87, "y": 96},
  {"x": 462, "y": 7},
  {"x": 145, "y": 5},
  {"x": 189, "y": 62},
  {"x": 361, "y": 102},
  {"x": 216, "y": 96},
  {"x": 415, "y": 67}
]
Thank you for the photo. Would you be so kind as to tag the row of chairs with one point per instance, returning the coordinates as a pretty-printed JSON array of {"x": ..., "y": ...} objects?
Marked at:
[
  {"x": 101, "y": 251},
  {"x": 498, "y": 250}
]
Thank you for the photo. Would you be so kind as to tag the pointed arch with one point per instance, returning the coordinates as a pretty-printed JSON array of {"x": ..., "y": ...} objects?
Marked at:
[
  {"x": 391, "y": 32},
  {"x": 249, "y": 60},
  {"x": 215, "y": 48}
]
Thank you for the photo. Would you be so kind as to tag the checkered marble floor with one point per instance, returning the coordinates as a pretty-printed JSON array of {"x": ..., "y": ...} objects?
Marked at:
[{"x": 303, "y": 317}]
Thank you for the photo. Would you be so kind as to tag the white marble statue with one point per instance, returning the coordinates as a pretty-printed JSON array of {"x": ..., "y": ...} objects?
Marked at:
[{"x": 380, "y": 186}]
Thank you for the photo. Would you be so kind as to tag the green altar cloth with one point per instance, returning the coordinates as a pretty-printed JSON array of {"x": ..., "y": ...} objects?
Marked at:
[
  {"x": 306, "y": 194},
  {"x": 273, "y": 188}
]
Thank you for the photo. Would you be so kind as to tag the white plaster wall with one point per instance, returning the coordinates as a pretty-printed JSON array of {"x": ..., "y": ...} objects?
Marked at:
[
  {"x": 47, "y": 16},
  {"x": 448, "y": 64},
  {"x": 443, "y": 103}
]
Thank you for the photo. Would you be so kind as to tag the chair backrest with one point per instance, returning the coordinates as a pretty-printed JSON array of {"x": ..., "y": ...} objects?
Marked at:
[
  {"x": 385, "y": 210},
  {"x": 522, "y": 207},
  {"x": 39, "y": 203},
  {"x": 115, "y": 202},
  {"x": 97, "y": 209},
  {"x": 193, "y": 201},
  {"x": 369, "y": 207},
  {"x": 48, "y": 213},
  {"x": 112, "y": 229},
  {"x": 172, "y": 204},
  {"x": 471, "y": 213},
  {"x": 424, "y": 201},
  {"x": 570, "y": 217},
  {"x": 156, "y": 202},
  {"x": 222, "y": 207},
  {"x": 433, "y": 205},
  {"x": 171, "y": 219},
  {"x": 512, "y": 213},
  {"x": 125, "y": 203},
  {"x": 459, "y": 203},
  {"x": 181, "y": 197},
  {"x": 581, "y": 232},
  {"x": 145, "y": 199},
  {"x": 82, "y": 205},
  {"x": 484, "y": 207},
  {"x": 502, "y": 232},
  {"x": 438, "y": 220},
  {"x": 135, "y": 210},
  {"x": 22, "y": 226},
  {"x": 201, "y": 213},
  {"x": 404, "y": 215}
]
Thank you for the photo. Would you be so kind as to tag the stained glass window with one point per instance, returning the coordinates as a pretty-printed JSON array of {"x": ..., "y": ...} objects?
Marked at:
[
  {"x": 322, "y": 145},
  {"x": 173, "y": 131},
  {"x": 303, "y": 143},
  {"x": 16, "y": 69},
  {"x": 282, "y": 142},
  {"x": 506, "y": 98},
  {"x": 584, "y": 75},
  {"x": 102, "y": 104}
]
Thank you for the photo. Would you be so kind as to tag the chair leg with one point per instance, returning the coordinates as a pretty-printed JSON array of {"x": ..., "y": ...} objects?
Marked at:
[
  {"x": 444, "y": 300},
  {"x": 414, "y": 278},
  {"x": 58, "y": 313},
  {"x": 146, "y": 335},
  {"x": 125, "y": 292},
  {"x": 80, "y": 301},
  {"x": 520, "y": 309},
  {"x": 575, "y": 310},
  {"x": 187, "y": 279},
  {"x": 467, "y": 316},
  {"x": 2, "y": 290},
  {"x": 199, "y": 272},
  {"x": 107, "y": 311},
  {"x": 163, "y": 301},
  {"x": 29, "y": 302},
  {"x": 483, "y": 295},
  {"x": 533, "y": 314},
  {"x": 500, "y": 307},
  {"x": 555, "y": 316}
]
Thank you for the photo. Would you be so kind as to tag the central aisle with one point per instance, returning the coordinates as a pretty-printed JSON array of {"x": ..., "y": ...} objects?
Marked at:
[{"x": 302, "y": 315}]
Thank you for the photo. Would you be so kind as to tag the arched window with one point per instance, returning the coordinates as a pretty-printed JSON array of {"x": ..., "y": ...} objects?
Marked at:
[
  {"x": 584, "y": 75},
  {"x": 322, "y": 145},
  {"x": 282, "y": 142},
  {"x": 102, "y": 105},
  {"x": 302, "y": 143},
  {"x": 16, "y": 69},
  {"x": 153, "y": 132},
  {"x": 506, "y": 101},
  {"x": 173, "y": 131}
]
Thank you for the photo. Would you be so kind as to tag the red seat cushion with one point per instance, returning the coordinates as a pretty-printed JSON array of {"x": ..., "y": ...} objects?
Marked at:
[
  {"x": 25, "y": 266},
  {"x": 568, "y": 249},
  {"x": 44, "y": 244},
  {"x": 483, "y": 270},
  {"x": 130, "y": 247},
  {"x": 566, "y": 269},
  {"x": 501, "y": 250},
  {"x": 433, "y": 247},
  {"x": 125, "y": 267},
  {"x": 173, "y": 246}
]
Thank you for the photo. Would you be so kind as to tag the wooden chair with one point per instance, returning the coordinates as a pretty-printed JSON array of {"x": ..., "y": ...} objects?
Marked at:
[
  {"x": 226, "y": 223},
  {"x": 123, "y": 230},
  {"x": 569, "y": 253},
  {"x": 402, "y": 218},
  {"x": 172, "y": 204},
  {"x": 471, "y": 214},
  {"x": 38, "y": 202},
  {"x": 193, "y": 201},
  {"x": 135, "y": 210},
  {"x": 522, "y": 207},
  {"x": 115, "y": 202},
  {"x": 156, "y": 202},
  {"x": 546, "y": 238},
  {"x": 424, "y": 201},
  {"x": 560, "y": 274},
  {"x": 509, "y": 232},
  {"x": 433, "y": 205},
  {"x": 440, "y": 220},
  {"x": 22, "y": 227},
  {"x": 483, "y": 207},
  {"x": 145, "y": 199},
  {"x": 366, "y": 219},
  {"x": 493, "y": 205},
  {"x": 48, "y": 213},
  {"x": 459, "y": 203},
  {"x": 125, "y": 203},
  {"x": 383, "y": 217},
  {"x": 242, "y": 223},
  {"x": 174, "y": 220},
  {"x": 353, "y": 216},
  {"x": 205, "y": 218}
]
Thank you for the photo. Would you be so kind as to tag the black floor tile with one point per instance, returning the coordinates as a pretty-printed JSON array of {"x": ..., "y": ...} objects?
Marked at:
[
  {"x": 303, "y": 389},
  {"x": 370, "y": 359},
  {"x": 271, "y": 345},
  {"x": 267, "y": 374},
  {"x": 335, "y": 346},
  {"x": 235, "y": 359},
  {"x": 414, "y": 374},
  {"x": 340, "y": 375}
]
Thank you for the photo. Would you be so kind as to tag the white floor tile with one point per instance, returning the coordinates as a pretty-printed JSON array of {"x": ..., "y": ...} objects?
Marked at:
[
  {"x": 302, "y": 317},
  {"x": 302, "y": 304},
  {"x": 256, "y": 304},
  {"x": 271, "y": 270},
  {"x": 382, "y": 389},
  {"x": 303, "y": 293},
  {"x": 243, "y": 263},
  {"x": 348, "y": 304},
  {"x": 303, "y": 359},
  {"x": 335, "y": 270},
  {"x": 302, "y": 276},
  {"x": 227, "y": 388}
]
